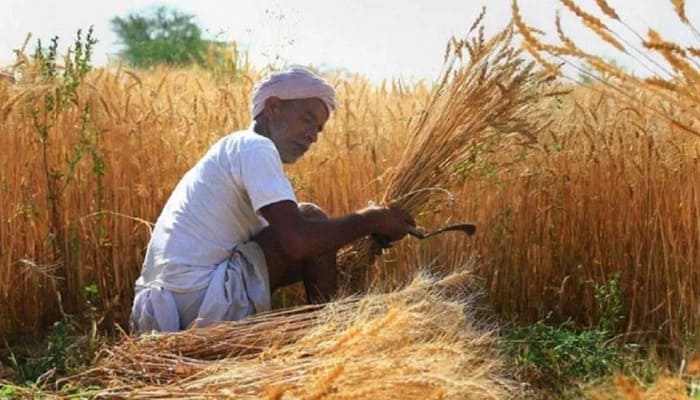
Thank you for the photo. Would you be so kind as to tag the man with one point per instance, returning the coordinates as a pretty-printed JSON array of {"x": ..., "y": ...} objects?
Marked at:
[{"x": 232, "y": 231}]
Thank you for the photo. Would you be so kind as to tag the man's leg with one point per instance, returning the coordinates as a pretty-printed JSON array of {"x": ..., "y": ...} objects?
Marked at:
[{"x": 319, "y": 274}]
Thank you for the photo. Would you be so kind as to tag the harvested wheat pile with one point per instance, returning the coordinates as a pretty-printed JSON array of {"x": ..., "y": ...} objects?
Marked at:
[
  {"x": 666, "y": 388},
  {"x": 420, "y": 342}
]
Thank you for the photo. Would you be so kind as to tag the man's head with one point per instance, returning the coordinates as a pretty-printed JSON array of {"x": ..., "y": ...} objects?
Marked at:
[
  {"x": 291, "y": 107},
  {"x": 293, "y": 125}
]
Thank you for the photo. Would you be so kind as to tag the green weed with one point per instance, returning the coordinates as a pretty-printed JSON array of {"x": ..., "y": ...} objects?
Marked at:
[{"x": 561, "y": 354}]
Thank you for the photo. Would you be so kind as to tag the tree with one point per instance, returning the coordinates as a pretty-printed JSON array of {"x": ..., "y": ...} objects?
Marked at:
[{"x": 163, "y": 36}]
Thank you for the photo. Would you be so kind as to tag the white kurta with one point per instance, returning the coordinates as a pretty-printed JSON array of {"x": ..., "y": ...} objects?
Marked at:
[{"x": 213, "y": 210}]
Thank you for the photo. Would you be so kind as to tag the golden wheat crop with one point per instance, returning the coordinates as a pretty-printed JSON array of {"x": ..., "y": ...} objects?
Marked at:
[{"x": 609, "y": 187}]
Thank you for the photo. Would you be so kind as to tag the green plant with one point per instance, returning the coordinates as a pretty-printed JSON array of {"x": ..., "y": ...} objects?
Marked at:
[
  {"x": 7, "y": 391},
  {"x": 694, "y": 390},
  {"x": 92, "y": 292},
  {"x": 67, "y": 346},
  {"x": 65, "y": 350},
  {"x": 45, "y": 110},
  {"x": 560, "y": 354},
  {"x": 93, "y": 315},
  {"x": 30, "y": 368},
  {"x": 609, "y": 299}
]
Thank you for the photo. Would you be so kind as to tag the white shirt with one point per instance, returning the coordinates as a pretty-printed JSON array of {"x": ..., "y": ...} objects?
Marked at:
[{"x": 214, "y": 207}]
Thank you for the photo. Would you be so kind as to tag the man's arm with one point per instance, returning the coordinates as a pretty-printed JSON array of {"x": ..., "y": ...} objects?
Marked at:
[{"x": 301, "y": 238}]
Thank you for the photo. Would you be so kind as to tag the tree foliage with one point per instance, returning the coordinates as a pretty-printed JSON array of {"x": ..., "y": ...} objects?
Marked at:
[{"x": 164, "y": 35}]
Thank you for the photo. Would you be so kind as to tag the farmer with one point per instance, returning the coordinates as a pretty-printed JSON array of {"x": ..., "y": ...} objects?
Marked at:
[{"x": 232, "y": 231}]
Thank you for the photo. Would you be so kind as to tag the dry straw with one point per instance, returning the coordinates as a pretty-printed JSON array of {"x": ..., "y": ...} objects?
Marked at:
[
  {"x": 666, "y": 388},
  {"x": 419, "y": 342}
]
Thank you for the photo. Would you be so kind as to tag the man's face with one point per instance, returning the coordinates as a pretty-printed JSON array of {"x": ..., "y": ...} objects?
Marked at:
[{"x": 294, "y": 125}]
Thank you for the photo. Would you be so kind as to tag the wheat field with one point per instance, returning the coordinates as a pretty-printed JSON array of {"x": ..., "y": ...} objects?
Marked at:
[{"x": 606, "y": 186}]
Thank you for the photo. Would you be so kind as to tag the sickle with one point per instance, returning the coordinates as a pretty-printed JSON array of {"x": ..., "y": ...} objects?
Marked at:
[
  {"x": 469, "y": 229},
  {"x": 384, "y": 242}
]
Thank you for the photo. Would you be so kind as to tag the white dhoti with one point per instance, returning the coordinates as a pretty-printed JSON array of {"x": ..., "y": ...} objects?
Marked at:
[{"x": 238, "y": 287}]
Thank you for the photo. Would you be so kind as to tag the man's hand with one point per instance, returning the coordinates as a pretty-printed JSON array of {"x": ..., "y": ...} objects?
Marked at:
[
  {"x": 390, "y": 222},
  {"x": 297, "y": 238}
]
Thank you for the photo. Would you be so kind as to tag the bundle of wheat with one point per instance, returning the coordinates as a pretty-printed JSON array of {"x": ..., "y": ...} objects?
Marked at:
[
  {"x": 164, "y": 358},
  {"x": 419, "y": 342},
  {"x": 493, "y": 94}
]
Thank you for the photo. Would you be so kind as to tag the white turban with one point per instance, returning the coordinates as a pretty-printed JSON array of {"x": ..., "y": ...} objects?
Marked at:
[{"x": 294, "y": 83}]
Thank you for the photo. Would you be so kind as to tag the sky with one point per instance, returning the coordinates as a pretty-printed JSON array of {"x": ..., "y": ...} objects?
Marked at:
[{"x": 382, "y": 39}]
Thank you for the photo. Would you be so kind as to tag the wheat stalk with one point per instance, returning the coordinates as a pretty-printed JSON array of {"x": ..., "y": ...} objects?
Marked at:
[
  {"x": 475, "y": 103},
  {"x": 607, "y": 9},
  {"x": 595, "y": 24}
]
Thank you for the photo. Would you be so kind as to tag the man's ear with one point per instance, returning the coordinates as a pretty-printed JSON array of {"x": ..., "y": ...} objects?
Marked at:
[{"x": 272, "y": 107}]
